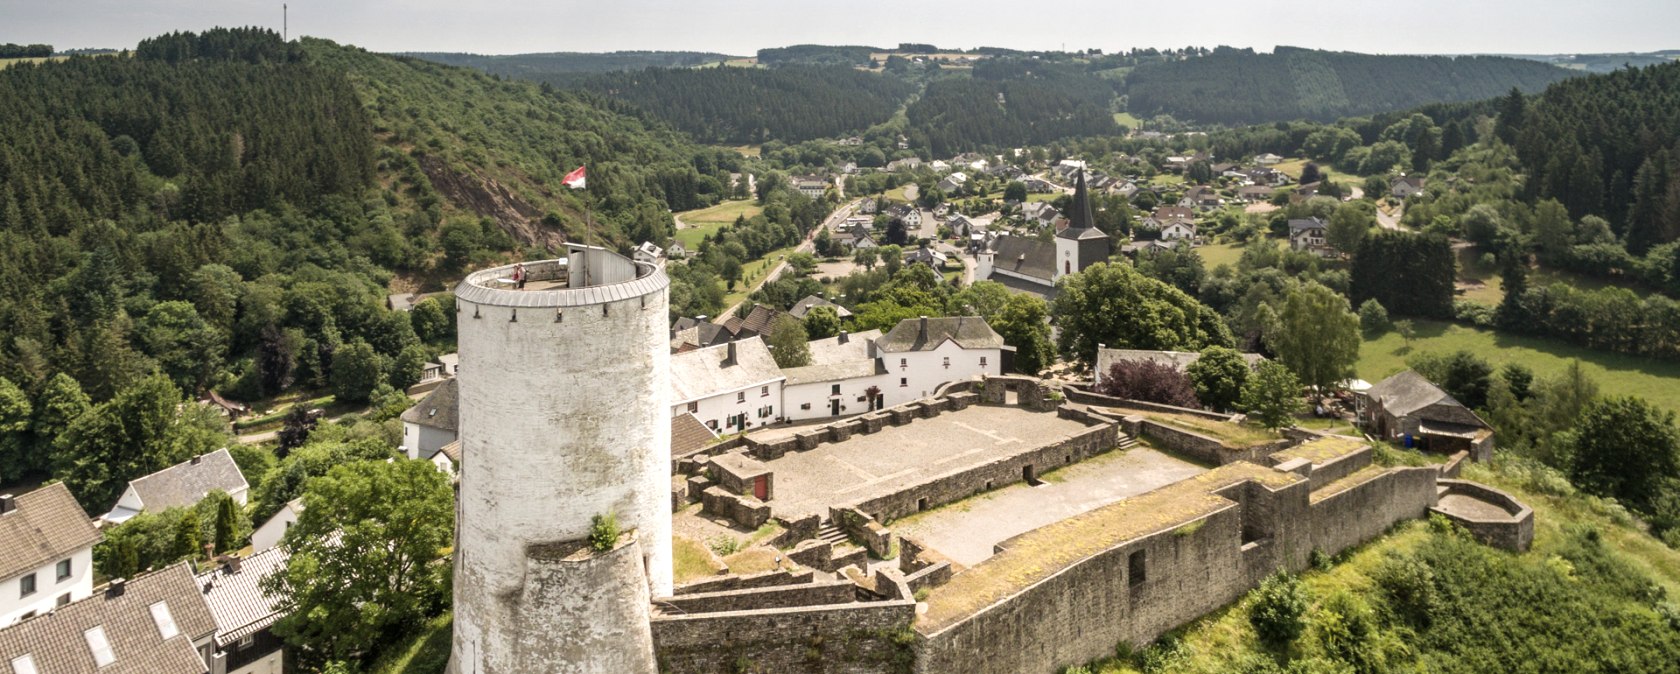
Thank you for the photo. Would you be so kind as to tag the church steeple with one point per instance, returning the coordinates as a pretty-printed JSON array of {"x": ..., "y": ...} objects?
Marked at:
[{"x": 1081, "y": 224}]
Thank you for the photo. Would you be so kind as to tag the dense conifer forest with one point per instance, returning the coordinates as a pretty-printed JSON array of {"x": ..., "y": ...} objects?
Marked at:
[
  {"x": 544, "y": 66},
  {"x": 751, "y": 105},
  {"x": 1231, "y": 86},
  {"x": 1010, "y": 102}
]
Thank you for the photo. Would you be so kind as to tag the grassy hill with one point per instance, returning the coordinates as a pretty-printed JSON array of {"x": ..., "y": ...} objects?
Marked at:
[{"x": 1243, "y": 87}]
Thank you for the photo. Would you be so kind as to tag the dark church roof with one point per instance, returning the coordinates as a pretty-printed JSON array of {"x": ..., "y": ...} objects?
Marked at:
[
  {"x": 1082, "y": 225},
  {"x": 1026, "y": 256}
]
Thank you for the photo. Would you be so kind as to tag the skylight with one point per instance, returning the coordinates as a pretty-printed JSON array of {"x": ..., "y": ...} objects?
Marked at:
[
  {"x": 23, "y": 664},
  {"x": 165, "y": 622},
  {"x": 101, "y": 648}
]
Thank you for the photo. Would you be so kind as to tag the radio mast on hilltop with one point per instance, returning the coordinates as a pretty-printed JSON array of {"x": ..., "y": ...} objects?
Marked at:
[{"x": 285, "y": 20}]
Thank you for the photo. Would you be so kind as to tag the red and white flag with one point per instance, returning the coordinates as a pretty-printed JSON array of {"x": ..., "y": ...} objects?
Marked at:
[{"x": 575, "y": 179}]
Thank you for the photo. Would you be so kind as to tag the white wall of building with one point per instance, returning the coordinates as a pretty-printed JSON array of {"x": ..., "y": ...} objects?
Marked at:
[
  {"x": 48, "y": 587},
  {"x": 269, "y": 533},
  {"x": 817, "y": 396},
  {"x": 912, "y": 375},
  {"x": 761, "y": 403},
  {"x": 422, "y": 441},
  {"x": 273, "y": 663}
]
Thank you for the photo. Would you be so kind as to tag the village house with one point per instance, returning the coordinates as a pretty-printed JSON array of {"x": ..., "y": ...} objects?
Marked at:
[
  {"x": 1405, "y": 186},
  {"x": 182, "y": 485},
  {"x": 960, "y": 225},
  {"x": 759, "y": 322},
  {"x": 650, "y": 253},
  {"x": 1039, "y": 213},
  {"x": 676, "y": 251},
  {"x": 1167, "y": 215},
  {"x": 843, "y": 377},
  {"x": 729, "y": 388},
  {"x": 1036, "y": 185},
  {"x": 1267, "y": 159},
  {"x": 269, "y": 533},
  {"x": 245, "y": 641},
  {"x": 911, "y": 215},
  {"x": 921, "y": 354},
  {"x": 939, "y": 166},
  {"x": 866, "y": 205},
  {"x": 803, "y": 307},
  {"x": 1201, "y": 197},
  {"x": 953, "y": 182},
  {"x": 811, "y": 186},
  {"x": 1408, "y": 409},
  {"x": 1123, "y": 188},
  {"x": 906, "y": 164},
  {"x": 927, "y": 256},
  {"x": 1005, "y": 171},
  {"x": 1309, "y": 235},
  {"x": 1179, "y": 230},
  {"x": 1254, "y": 193},
  {"x": 431, "y": 423},
  {"x": 47, "y": 559},
  {"x": 688, "y": 334},
  {"x": 156, "y": 623}
]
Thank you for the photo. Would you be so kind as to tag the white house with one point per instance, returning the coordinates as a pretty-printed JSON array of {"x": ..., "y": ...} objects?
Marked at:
[
  {"x": 431, "y": 423},
  {"x": 46, "y": 552},
  {"x": 953, "y": 182},
  {"x": 155, "y": 623},
  {"x": 844, "y": 377},
  {"x": 911, "y": 215},
  {"x": 811, "y": 186},
  {"x": 920, "y": 354},
  {"x": 650, "y": 253},
  {"x": 1309, "y": 234},
  {"x": 729, "y": 387},
  {"x": 181, "y": 485},
  {"x": 269, "y": 533},
  {"x": 1179, "y": 230}
]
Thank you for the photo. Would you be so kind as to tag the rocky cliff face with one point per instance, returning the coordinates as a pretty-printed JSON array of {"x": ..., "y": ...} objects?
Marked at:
[{"x": 487, "y": 197}]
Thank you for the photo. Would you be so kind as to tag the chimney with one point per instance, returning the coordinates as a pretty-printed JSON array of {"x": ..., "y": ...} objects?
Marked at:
[
  {"x": 115, "y": 588},
  {"x": 8, "y": 503},
  {"x": 844, "y": 337},
  {"x": 195, "y": 460},
  {"x": 730, "y": 360},
  {"x": 923, "y": 331}
]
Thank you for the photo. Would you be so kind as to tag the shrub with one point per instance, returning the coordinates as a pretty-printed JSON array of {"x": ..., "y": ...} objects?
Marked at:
[
  {"x": 603, "y": 532},
  {"x": 1149, "y": 382},
  {"x": 1278, "y": 610},
  {"x": 1373, "y": 318}
]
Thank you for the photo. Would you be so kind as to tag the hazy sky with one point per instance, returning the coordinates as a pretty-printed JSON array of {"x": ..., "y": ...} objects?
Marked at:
[{"x": 743, "y": 26}]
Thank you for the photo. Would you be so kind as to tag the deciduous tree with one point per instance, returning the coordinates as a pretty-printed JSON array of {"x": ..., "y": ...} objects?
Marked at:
[
  {"x": 1219, "y": 375},
  {"x": 1316, "y": 336}
]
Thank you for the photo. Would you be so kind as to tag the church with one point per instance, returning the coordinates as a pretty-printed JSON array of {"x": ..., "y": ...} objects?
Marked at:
[{"x": 1032, "y": 265}]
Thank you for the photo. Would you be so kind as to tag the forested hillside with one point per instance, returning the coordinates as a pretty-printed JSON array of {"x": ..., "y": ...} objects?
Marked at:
[
  {"x": 1607, "y": 145},
  {"x": 1231, "y": 86},
  {"x": 553, "y": 64},
  {"x": 1008, "y": 103},
  {"x": 751, "y": 105},
  {"x": 817, "y": 55},
  {"x": 226, "y": 211}
]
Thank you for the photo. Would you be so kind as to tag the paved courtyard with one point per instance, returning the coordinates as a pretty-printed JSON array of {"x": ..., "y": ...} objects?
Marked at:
[
  {"x": 965, "y": 531},
  {"x": 875, "y": 464}
]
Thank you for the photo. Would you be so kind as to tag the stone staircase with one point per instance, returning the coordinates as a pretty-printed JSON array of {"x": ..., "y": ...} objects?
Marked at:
[
  {"x": 1127, "y": 441},
  {"x": 831, "y": 534}
]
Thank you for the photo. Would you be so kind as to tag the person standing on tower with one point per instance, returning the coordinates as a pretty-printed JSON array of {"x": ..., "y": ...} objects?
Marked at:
[{"x": 519, "y": 276}]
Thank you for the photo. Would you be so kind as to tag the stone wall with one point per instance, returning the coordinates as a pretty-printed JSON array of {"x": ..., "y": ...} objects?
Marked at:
[
  {"x": 962, "y": 484},
  {"x": 1364, "y": 511},
  {"x": 1197, "y": 446},
  {"x": 863, "y": 529},
  {"x": 765, "y": 579},
  {"x": 1515, "y": 532},
  {"x": 1454, "y": 465},
  {"x": 1084, "y": 396},
  {"x": 870, "y": 637},
  {"x": 756, "y": 598},
  {"x": 746, "y": 511}
]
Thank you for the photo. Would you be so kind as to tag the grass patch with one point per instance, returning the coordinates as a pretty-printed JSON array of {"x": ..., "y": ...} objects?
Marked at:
[
  {"x": 1217, "y": 254},
  {"x": 1126, "y": 119},
  {"x": 752, "y": 560},
  {"x": 1233, "y": 435},
  {"x": 753, "y": 272},
  {"x": 690, "y": 560},
  {"x": 426, "y": 651},
  {"x": 1617, "y": 374},
  {"x": 1292, "y": 168},
  {"x": 707, "y": 221},
  {"x": 1167, "y": 179}
]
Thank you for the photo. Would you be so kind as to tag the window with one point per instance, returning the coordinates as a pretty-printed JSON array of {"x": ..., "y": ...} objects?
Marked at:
[
  {"x": 903, "y": 382},
  {"x": 165, "y": 622},
  {"x": 805, "y": 406},
  {"x": 947, "y": 362},
  {"x": 23, "y": 664},
  {"x": 904, "y": 362},
  {"x": 982, "y": 361},
  {"x": 64, "y": 599},
  {"x": 763, "y": 391},
  {"x": 245, "y": 642},
  {"x": 694, "y": 407},
  {"x": 834, "y": 390},
  {"x": 101, "y": 648},
  {"x": 26, "y": 585},
  {"x": 712, "y": 424},
  {"x": 63, "y": 569},
  {"x": 740, "y": 396}
]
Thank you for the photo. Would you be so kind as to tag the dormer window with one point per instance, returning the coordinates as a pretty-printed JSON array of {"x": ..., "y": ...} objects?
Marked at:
[
  {"x": 165, "y": 622},
  {"x": 100, "y": 648},
  {"x": 23, "y": 664}
]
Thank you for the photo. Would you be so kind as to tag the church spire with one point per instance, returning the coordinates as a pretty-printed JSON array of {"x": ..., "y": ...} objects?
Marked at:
[{"x": 1081, "y": 224}]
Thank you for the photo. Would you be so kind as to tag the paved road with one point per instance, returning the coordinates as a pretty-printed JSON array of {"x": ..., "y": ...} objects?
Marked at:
[
  {"x": 1391, "y": 221},
  {"x": 839, "y": 215}
]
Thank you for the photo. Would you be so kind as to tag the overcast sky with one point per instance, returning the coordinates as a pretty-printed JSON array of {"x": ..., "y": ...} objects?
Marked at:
[{"x": 743, "y": 26}]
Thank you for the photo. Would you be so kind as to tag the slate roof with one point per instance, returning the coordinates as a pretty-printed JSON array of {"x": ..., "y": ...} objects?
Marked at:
[
  {"x": 834, "y": 360},
  {"x": 688, "y": 435},
  {"x": 57, "y": 644},
  {"x": 187, "y": 483},
  {"x": 236, "y": 599},
  {"x": 1165, "y": 213},
  {"x": 926, "y": 334},
  {"x": 1028, "y": 257},
  {"x": 440, "y": 409},
  {"x": 1299, "y": 224},
  {"x": 804, "y": 306},
  {"x": 46, "y": 525},
  {"x": 756, "y": 322},
  {"x": 703, "y": 373},
  {"x": 1407, "y": 392},
  {"x": 1081, "y": 225}
]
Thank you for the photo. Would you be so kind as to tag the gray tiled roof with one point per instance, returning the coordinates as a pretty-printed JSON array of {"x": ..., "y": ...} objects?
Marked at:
[
  {"x": 1029, "y": 257},
  {"x": 439, "y": 409},
  {"x": 969, "y": 332},
  {"x": 1301, "y": 224},
  {"x": 688, "y": 435},
  {"x": 833, "y": 360},
  {"x": 187, "y": 483},
  {"x": 57, "y": 644},
  {"x": 1408, "y": 393},
  {"x": 707, "y": 372},
  {"x": 804, "y": 306},
  {"x": 236, "y": 599},
  {"x": 46, "y": 526}
]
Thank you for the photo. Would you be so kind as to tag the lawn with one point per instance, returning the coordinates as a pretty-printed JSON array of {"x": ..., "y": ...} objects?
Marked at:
[
  {"x": 1217, "y": 254},
  {"x": 1127, "y": 120},
  {"x": 708, "y": 220},
  {"x": 1167, "y": 179},
  {"x": 1292, "y": 168},
  {"x": 1233, "y": 435},
  {"x": 753, "y": 272},
  {"x": 1492, "y": 291},
  {"x": 690, "y": 560},
  {"x": 1655, "y": 381}
]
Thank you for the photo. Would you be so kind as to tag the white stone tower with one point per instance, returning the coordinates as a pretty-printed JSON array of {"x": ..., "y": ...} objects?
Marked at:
[{"x": 563, "y": 416}]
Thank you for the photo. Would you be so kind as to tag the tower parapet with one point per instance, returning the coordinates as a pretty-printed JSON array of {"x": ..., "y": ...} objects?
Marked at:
[{"x": 564, "y": 383}]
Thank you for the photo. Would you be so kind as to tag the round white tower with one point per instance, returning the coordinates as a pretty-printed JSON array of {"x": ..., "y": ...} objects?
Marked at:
[{"x": 563, "y": 416}]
